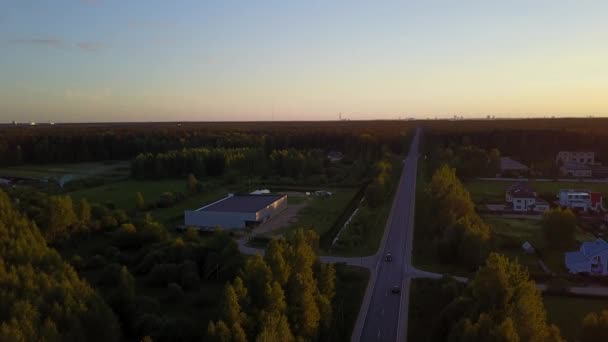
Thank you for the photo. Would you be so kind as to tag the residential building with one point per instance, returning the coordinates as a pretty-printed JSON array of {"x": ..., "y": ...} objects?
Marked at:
[
  {"x": 512, "y": 166},
  {"x": 518, "y": 188},
  {"x": 592, "y": 258},
  {"x": 575, "y": 169},
  {"x": 237, "y": 211},
  {"x": 524, "y": 199},
  {"x": 335, "y": 156},
  {"x": 584, "y": 200},
  {"x": 580, "y": 157}
]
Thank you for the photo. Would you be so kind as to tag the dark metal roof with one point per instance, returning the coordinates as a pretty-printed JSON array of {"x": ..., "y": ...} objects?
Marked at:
[{"x": 243, "y": 203}]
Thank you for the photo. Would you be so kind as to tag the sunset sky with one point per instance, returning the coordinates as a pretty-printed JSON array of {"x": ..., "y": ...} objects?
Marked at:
[{"x": 149, "y": 60}]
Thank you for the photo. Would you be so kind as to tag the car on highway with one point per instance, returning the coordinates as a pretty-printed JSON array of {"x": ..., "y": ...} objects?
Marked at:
[
  {"x": 388, "y": 257},
  {"x": 396, "y": 290}
]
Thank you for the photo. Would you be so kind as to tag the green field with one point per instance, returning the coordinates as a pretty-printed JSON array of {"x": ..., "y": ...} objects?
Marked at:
[
  {"x": 568, "y": 312},
  {"x": 109, "y": 170},
  {"x": 122, "y": 194},
  {"x": 494, "y": 191},
  {"x": 322, "y": 212}
]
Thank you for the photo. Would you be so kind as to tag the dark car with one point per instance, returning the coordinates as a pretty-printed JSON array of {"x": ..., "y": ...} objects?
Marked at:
[
  {"x": 388, "y": 257},
  {"x": 396, "y": 289}
]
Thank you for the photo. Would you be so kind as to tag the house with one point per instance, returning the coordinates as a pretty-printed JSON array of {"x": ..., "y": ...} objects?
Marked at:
[
  {"x": 512, "y": 166},
  {"x": 591, "y": 258},
  {"x": 237, "y": 211},
  {"x": 335, "y": 156},
  {"x": 524, "y": 199},
  {"x": 518, "y": 188},
  {"x": 586, "y": 158},
  {"x": 575, "y": 169},
  {"x": 584, "y": 200}
]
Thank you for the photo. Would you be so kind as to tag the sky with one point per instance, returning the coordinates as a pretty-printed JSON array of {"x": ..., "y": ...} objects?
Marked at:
[{"x": 204, "y": 60}]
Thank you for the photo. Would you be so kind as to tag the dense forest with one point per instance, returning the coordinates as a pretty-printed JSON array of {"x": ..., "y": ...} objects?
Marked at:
[
  {"x": 42, "y": 297},
  {"x": 96, "y": 142}
]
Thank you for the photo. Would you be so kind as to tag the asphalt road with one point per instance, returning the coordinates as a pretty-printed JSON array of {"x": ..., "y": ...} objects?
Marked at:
[{"x": 383, "y": 316}]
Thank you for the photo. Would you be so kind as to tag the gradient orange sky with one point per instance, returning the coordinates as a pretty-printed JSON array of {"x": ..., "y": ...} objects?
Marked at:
[{"x": 110, "y": 60}]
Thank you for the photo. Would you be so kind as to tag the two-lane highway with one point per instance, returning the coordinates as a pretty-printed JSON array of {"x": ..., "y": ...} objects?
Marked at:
[{"x": 384, "y": 318}]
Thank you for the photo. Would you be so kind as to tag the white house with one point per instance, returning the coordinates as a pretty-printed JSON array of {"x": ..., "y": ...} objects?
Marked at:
[
  {"x": 524, "y": 199},
  {"x": 574, "y": 169},
  {"x": 577, "y": 199},
  {"x": 591, "y": 258},
  {"x": 580, "y": 157}
]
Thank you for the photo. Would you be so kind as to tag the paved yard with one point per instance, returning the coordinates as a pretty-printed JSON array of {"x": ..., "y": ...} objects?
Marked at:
[{"x": 286, "y": 218}]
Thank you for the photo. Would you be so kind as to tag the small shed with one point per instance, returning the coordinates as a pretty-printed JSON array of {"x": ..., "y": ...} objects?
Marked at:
[{"x": 528, "y": 248}]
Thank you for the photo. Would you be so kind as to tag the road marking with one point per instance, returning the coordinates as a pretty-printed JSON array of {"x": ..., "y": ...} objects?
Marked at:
[
  {"x": 379, "y": 333},
  {"x": 382, "y": 312},
  {"x": 386, "y": 294}
]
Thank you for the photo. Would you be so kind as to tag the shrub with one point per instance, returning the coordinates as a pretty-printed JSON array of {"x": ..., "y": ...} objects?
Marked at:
[{"x": 175, "y": 291}]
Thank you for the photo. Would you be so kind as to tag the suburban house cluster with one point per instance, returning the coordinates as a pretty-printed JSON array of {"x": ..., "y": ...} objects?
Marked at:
[
  {"x": 580, "y": 164},
  {"x": 521, "y": 197}
]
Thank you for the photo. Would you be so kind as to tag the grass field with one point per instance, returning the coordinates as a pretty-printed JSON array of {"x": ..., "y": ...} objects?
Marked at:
[
  {"x": 568, "y": 312},
  {"x": 321, "y": 212},
  {"x": 494, "y": 191},
  {"x": 122, "y": 194},
  {"x": 351, "y": 282},
  {"x": 110, "y": 170}
]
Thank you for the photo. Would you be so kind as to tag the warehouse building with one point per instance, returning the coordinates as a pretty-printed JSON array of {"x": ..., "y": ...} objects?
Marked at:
[{"x": 237, "y": 211}]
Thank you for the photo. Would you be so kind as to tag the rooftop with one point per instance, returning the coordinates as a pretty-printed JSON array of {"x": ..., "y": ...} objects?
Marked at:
[
  {"x": 242, "y": 203},
  {"x": 507, "y": 163}
]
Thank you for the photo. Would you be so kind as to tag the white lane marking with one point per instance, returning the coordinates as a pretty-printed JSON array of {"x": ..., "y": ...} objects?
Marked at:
[
  {"x": 386, "y": 294},
  {"x": 382, "y": 312},
  {"x": 379, "y": 333}
]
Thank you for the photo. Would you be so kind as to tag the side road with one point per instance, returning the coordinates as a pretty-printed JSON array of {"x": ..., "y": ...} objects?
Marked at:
[{"x": 371, "y": 262}]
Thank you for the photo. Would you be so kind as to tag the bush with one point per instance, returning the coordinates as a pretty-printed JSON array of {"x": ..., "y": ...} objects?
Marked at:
[
  {"x": 110, "y": 274},
  {"x": 162, "y": 274},
  {"x": 175, "y": 291},
  {"x": 97, "y": 261},
  {"x": 77, "y": 261},
  {"x": 112, "y": 253}
]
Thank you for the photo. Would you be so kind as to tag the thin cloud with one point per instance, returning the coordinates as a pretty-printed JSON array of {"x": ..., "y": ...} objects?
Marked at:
[
  {"x": 52, "y": 42},
  {"x": 90, "y": 2},
  {"x": 89, "y": 46}
]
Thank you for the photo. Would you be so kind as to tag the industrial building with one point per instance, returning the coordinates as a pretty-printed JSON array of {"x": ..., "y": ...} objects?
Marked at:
[{"x": 237, "y": 211}]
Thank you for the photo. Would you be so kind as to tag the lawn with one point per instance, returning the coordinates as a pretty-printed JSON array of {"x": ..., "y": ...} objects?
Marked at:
[
  {"x": 110, "y": 170},
  {"x": 322, "y": 212},
  {"x": 494, "y": 191},
  {"x": 122, "y": 194},
  {"x": 568, "y": 312}
]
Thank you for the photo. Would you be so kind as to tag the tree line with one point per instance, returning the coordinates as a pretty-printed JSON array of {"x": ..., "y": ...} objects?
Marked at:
[
  {"x": 215, "y": 162},
  {"x": 448, "y": 221}
]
